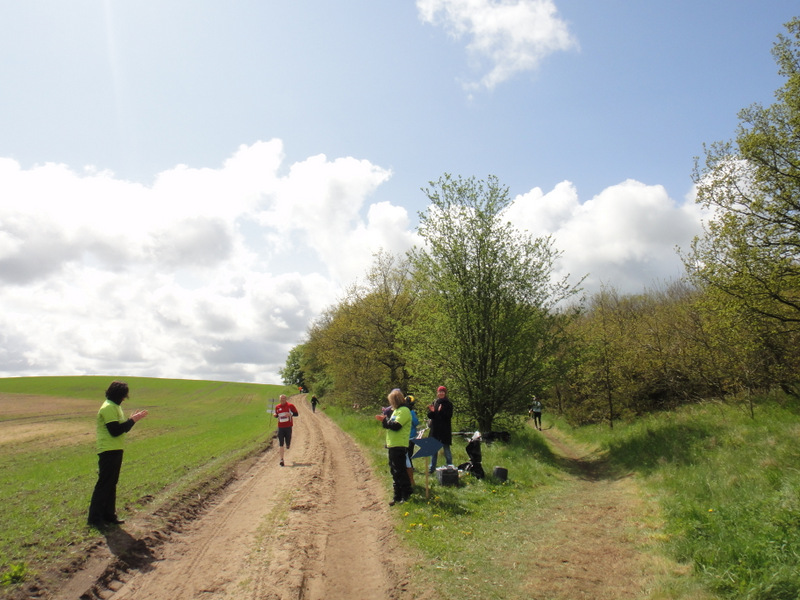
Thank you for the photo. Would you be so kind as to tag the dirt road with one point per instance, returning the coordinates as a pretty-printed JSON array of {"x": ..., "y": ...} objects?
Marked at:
[{"x": 316, "y": 529}]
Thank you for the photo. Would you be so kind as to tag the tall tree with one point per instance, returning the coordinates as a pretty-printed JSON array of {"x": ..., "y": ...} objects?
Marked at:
[
  {"x": 487, "y": 314},
  {"x": 751, "y": 246}
]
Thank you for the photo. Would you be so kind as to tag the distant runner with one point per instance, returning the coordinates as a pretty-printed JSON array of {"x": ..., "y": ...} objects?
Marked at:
[{"x": 536, "y": 413}]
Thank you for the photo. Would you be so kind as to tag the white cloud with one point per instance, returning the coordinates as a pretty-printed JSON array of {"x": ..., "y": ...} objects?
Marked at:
[
  {"x": 511, "y": 36},
  {"x": 217, "y": 273},
  {"x": 204, "y": 274},
  {"x": 625, "y": 237}
]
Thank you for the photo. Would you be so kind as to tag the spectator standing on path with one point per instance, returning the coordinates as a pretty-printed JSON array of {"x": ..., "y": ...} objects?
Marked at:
[
  {"x": 536, "y": 413},
  {"x": 314, "y": 403},
  {"x": 111, "y": 429},
  {"x": 440, "y": 414},
  {"x": 284, "y": 412},
  {"x": 397, "y": 427}
]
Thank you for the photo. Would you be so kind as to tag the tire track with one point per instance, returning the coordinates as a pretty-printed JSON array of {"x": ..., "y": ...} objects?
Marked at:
[{"x": 592, "y": 538}]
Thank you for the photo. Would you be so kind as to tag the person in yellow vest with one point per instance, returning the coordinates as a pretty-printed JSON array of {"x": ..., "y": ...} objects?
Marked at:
[
  {"x": 111, "y": 429},
  {"x": 398, "y": 426}
]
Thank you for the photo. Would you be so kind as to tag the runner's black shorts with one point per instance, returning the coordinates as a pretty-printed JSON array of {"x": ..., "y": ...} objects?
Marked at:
[{"x": 285, "y": 434}]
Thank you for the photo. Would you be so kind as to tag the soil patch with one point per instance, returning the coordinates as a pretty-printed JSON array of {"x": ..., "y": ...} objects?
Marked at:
[{"x": 44, "y": 421}]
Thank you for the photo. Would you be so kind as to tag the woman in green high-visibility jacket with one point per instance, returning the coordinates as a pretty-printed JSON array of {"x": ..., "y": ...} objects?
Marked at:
[
  {"x": 111, "y": 429},
  {"x": 398, "y": 426}
]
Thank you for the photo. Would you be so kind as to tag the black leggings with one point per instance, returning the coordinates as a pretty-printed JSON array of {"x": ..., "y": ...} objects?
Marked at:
[
  {"x": 104, "y": 497},
  {"x": 397, "y": 465}
]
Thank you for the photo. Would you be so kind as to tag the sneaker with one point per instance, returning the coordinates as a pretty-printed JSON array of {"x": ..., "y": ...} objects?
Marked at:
[
  {"x": 281, "y": 462},
  {"x": 393, "y": 502}
]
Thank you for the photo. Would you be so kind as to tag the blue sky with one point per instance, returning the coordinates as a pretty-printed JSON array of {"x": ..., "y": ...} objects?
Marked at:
[{"x": 184, "y": 185}]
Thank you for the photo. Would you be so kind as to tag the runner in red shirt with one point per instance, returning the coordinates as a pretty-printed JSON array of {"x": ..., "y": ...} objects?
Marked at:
[{"x": 284, "y": 412}]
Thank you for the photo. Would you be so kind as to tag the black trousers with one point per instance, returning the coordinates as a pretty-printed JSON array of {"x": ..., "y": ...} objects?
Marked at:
[
  {"x": 103, "y": 506},
  {"x": 397, "y": 465}
]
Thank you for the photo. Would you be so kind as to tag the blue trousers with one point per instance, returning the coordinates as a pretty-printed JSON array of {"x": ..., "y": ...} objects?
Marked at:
[{"x": 448, "y": 457}]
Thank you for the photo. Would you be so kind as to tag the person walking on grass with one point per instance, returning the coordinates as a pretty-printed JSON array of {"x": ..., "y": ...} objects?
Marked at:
[
  {"x": 397, "y": 428},
  {"x": 536, "y": 413},
  {"x": 284, "y": 412},
  {"x": 440, "y": 414},
  {"x": 111, "y": 427},
  {"x": 314, "y": 403}
]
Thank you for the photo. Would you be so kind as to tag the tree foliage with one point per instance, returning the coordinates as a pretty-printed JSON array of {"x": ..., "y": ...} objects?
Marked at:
[
  {"x": 476, "y": 307},
  {"x": 292, "y": 374},
  {"x": 665, "y": 347},
  {"x": 751, "y": 246},
  {"x": 357, "y": 341}
]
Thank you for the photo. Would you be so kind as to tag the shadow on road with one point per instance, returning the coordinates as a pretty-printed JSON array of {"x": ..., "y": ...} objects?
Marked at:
[{"x": 128, "y": 549}]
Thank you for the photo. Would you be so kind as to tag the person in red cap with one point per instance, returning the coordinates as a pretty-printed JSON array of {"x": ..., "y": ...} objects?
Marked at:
[{"x": 440, "y": 414}]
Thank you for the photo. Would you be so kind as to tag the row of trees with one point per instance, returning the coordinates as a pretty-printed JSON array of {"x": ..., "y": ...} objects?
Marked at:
[
  {"x": 670, "y": 346},
  {"x": 477, "y": 307}
]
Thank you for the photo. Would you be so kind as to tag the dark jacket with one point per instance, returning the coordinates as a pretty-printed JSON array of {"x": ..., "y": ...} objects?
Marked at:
[{"x": 441, "y": 417}]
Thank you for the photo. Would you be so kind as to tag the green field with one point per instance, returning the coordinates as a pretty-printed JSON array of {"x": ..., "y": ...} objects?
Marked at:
[{"x": 195, "y": 431}]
